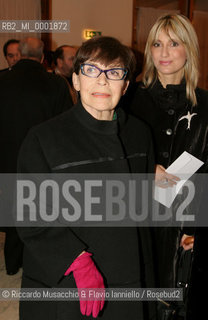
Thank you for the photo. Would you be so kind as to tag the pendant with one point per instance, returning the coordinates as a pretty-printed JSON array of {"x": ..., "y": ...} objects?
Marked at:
[{"x": 188, "y": 117}]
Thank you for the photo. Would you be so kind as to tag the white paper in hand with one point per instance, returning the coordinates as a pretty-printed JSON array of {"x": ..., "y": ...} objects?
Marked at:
[{"x": 183, "y": 167}]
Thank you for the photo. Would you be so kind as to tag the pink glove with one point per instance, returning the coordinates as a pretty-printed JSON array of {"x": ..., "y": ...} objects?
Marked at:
[{"x": 86, "y": 275}]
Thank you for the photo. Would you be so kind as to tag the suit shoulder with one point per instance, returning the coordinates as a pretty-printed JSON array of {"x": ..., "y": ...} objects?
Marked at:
[
  {"x": 55, "y": 77},
  {"x": 55, "y": 124}
]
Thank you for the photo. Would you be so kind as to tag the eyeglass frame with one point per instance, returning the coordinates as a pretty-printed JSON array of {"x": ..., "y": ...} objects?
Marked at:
[{"x": 101, "y": 71}]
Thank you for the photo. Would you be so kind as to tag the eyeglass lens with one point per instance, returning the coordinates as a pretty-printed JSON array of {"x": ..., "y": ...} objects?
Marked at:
[{"x": 94, "y": 72}]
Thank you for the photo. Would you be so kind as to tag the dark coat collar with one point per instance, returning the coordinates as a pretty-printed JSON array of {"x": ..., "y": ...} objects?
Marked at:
[
  {"x": 172, "y": 95},
  {"x": 99, "y": 126}
]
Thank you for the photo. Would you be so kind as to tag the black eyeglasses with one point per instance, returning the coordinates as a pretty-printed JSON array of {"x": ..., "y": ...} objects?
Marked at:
[{"x": 92, "y": 71}]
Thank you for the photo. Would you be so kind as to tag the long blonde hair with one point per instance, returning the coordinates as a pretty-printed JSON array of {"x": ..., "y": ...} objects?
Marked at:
[{"x": 183, "y": 29}]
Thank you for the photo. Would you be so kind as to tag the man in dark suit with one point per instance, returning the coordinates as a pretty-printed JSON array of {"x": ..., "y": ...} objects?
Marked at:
[
  {"x": 63, "y": 60},
  {"x": 11, "y": 53},
  {"x": 29, "y": 95}
]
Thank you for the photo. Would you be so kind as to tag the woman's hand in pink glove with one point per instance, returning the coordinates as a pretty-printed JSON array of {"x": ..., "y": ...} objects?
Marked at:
[{"x": 87, "y": 276}]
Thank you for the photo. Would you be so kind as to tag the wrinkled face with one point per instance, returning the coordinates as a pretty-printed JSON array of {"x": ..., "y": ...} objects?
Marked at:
[
  {"x": 13, "y": 54},
  {"x": 99, "y": 94},
  {"x": 66, "y": 64},
  {"x": 169, "y": 56}
]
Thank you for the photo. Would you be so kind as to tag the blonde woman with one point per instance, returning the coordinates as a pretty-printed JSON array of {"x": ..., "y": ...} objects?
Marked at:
[
  {"x": 168, "y": 99},
  {"x": 176, "y": 110}
]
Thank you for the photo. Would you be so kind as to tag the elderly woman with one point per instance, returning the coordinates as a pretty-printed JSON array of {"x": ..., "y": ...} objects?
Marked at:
[
  {"x": 93, "y": 137},
  {"x": 176, "y": 110}
]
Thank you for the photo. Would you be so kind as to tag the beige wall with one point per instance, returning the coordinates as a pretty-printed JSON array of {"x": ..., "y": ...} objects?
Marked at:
[
  {"x": 111, "y": 17},
  {"x": 17, "y": 10}
]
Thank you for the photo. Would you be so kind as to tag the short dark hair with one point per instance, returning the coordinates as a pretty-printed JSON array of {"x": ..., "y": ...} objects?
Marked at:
[
  {"x": 106, "y": 50},
  {"x": 11, "y": 41},
  {"x": 59, "y": 53}
]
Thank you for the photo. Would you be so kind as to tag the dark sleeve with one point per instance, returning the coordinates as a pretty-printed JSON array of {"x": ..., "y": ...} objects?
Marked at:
[
  {"x": 49, "y": 251},
  {"x": 151, "y": 155},
  {"x": 202, "y": 138},
  {"x": 204, "y": 168}
]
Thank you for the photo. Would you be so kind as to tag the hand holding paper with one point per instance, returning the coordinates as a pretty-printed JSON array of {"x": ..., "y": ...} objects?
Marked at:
[
  {"x": 164, "y": 179},
  {"x": 183, "y": 168}
]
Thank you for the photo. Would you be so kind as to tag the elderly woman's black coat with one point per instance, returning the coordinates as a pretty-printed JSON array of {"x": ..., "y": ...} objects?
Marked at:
[{"x": 75, "y": 142}]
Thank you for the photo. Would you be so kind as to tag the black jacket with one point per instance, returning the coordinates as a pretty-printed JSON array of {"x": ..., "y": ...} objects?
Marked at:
[
  {"x": 29, "y": 95},
  {"x": 75, "y": 142},
  {"x": 162, "y": 108}
]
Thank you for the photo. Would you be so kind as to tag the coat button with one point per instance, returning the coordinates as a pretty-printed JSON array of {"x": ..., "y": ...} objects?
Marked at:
[
  {"x": 169, "y": 132},
  {"x": 165, "y": 154},
  {"x": 171, "y": 112}
]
